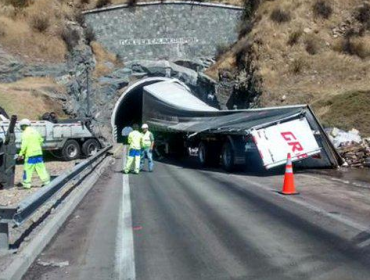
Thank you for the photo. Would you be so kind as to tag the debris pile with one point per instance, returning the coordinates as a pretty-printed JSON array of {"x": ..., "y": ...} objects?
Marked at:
[
  {"x": 356, "y": 154},
  {"x": 352, "y": 148}
]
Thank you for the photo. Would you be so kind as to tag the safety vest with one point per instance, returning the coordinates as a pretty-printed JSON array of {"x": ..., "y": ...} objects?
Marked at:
[
  {"x": 31, "y": 143},
  {"x": 134, "y": 140},
  {"x": 147, "y": 139}
]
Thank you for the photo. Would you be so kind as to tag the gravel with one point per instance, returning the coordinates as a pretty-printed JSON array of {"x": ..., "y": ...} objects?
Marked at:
[{"x": 12, "y": 196}]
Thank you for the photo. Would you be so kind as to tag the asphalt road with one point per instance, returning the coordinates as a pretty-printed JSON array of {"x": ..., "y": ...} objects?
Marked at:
[{"x": 184, "y": 223}]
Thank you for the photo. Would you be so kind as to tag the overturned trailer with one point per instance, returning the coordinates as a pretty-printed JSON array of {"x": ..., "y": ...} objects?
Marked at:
[{"x": 255, "y": 138}]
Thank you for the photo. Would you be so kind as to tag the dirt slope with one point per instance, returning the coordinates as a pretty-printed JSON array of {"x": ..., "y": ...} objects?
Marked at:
[{"x": 32, "y": 97}]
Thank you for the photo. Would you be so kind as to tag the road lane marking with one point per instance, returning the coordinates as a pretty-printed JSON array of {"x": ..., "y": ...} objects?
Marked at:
[{"x": 125, "y": 256}]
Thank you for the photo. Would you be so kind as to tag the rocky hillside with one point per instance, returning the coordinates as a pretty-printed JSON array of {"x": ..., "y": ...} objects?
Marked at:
[{"x": 304, "y": 51}]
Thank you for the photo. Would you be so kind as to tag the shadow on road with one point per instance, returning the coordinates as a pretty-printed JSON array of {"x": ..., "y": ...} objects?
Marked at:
[{"x": 248, "y": 169}]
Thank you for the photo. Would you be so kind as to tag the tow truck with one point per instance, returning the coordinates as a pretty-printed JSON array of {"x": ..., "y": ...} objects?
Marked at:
[{"x": 69, "y": 139}]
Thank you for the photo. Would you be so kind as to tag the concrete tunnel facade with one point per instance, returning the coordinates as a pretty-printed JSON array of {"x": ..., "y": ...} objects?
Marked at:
[{"x": 129, "y": 107}]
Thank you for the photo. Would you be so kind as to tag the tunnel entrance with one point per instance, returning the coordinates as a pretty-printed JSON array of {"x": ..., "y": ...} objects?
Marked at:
[{"x": 129, "y": 107}]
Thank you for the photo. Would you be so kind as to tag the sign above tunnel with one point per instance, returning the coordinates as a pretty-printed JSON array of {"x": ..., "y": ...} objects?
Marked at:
[
  {"x": 158, "y": 41},
  {"x": 170, "y": 30}
]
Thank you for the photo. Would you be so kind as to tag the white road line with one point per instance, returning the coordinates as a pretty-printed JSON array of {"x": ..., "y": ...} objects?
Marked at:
[{"x": 125, "y": 256}]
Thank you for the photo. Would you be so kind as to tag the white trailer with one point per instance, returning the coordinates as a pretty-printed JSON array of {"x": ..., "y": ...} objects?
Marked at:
[{"x": 71, "y": 139}]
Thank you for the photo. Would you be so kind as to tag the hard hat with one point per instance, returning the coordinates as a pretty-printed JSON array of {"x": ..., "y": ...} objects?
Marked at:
[
  {"x": 25, "y": 122},
  {"x": 144, "y": 126}
]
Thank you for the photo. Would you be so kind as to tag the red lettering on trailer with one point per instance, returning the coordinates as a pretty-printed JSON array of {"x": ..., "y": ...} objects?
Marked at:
[
  {"x": 296, "y": 146},
  {"x": 288, "y": 136}
]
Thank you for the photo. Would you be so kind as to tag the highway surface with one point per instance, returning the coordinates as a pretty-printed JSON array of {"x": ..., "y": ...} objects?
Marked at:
[{"x": 184, "y": 223}]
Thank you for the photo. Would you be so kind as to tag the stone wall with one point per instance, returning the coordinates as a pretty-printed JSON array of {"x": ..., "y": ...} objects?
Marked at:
[{"x": 170, "y": 30}]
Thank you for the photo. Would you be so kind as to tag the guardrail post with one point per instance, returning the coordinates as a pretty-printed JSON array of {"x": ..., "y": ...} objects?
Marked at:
[{"x": 4, "y": 236}]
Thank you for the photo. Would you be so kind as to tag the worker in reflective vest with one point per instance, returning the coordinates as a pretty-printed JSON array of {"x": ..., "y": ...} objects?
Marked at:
[
  {"x": 133, "y": 159},
  {"x": 147, "y": 147},
  {"x": 31, "y": 152}
]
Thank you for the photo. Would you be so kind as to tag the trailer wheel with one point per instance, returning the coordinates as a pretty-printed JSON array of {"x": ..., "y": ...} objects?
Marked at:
[
  {"x": 90, "y": 147},
  {"x": 208, "y": 154},
  {"x": 228, "y": 157},
  {"x": 202, "y": 154},
  {"x": 71, "y": 150}
]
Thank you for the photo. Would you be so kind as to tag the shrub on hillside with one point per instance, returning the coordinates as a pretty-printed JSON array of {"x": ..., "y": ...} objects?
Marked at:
[
  {"x": 119, "y": 59},
  {"x": 311, "y": 46},
  {"x": 102, "y": 3},
  {"x": 363, "y": 15},
  {"x": 353, "y": 47},
  {"x": 297, "y": 66},
  {"x": 131, "y": 3},
  {"x": 294, "y": 37},
  {"x": 80, "y": 18},
  {"x": 18, "y": 3},
  {"x": 322, "y": 9},
  {"x": 221, "y": 50},
  {"x": 280, "y": 16},
  {"x": 249, "y": 7},
  {"x": 70, "y": 37},
  {"x": 244, "y": 28},
  {"x": 2, "y": 30},
  {"x": 40, "y": 23},
  {"x": 352, "y": 32},
  {"x": 242, "y": 53},
  {"x": 89, "y": 34}
]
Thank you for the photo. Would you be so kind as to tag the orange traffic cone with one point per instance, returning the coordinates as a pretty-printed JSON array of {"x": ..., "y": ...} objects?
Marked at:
[{"x": 289, "y": 186}]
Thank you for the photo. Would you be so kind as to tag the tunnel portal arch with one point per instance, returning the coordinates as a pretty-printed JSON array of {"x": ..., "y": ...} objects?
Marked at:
[{"x": 128, "y": 109}]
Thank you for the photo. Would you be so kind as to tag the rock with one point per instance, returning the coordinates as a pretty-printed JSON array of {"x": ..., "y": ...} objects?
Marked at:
[
  {"x": 307, "y": 30},
  {"x": 197, "y": 64},
  {"x": 53, "y": 263},
  {"x": 165, "y": 68},
  {"x": 334, "y": 132},
  {"x": 12, "y": 70},
  {"x": 117, "y": 83},
  {"x": 10, "y": 67},
  {"x": 45, "y": 70},
  {"x": 109, "y": 65},
  {"x": 61, "y": 264}
]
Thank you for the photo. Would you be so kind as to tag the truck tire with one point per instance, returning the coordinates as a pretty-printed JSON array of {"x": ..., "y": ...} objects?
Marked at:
[
  {"x": 202, "y": 154},
  {"x": 228, "y": 157},
  {"x": 90, "y": 147},
  {"x": 71, "y": 150},
  {"x": 208, "y": 154}
]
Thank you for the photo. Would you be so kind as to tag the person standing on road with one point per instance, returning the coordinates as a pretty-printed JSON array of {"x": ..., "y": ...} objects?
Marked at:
[
  {"x": 147, "y": 147},
  {"x": 31, "y": 152},
  {"x": 134, "y": 141}
]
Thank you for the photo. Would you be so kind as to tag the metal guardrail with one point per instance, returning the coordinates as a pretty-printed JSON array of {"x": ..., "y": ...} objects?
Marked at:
[{"x": 19, "y": 214}]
